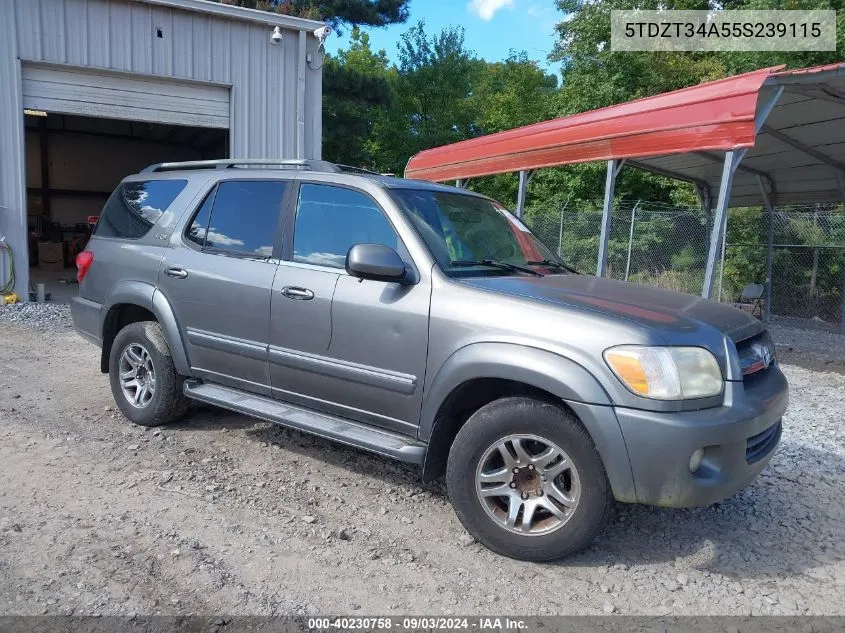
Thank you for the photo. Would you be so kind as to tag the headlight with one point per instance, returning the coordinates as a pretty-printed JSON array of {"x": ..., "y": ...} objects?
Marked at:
[{"x": 666, "y": 373}]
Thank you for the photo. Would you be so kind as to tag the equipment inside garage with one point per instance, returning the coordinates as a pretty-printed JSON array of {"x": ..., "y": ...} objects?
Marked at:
[
  {"x": 73, "y": 163},
  {"x": 127, "y": 83}
]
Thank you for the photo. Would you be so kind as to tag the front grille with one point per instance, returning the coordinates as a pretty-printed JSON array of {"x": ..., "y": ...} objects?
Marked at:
[
  {"x": 760, "y": 445},
  {"x": 756, "y": 354}
]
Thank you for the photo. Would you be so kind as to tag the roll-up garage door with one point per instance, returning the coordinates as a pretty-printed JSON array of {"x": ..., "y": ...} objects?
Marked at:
[{"x": 119, "y": 96}]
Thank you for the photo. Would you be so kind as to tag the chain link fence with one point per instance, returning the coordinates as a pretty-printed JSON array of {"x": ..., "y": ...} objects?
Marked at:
[{"x": 665, "y": 246}]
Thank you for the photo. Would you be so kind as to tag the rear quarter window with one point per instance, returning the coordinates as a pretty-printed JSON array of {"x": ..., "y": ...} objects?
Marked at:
[{"x": 135, "y": 207}]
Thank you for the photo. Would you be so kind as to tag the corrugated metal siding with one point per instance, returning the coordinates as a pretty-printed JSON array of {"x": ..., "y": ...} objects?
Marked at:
[
  {"x": 119, "y": 35},
  {"x": 12, "y": 186}
]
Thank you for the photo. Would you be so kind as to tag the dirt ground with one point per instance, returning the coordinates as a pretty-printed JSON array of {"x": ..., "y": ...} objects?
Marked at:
[{"x": 222, "y": 514}]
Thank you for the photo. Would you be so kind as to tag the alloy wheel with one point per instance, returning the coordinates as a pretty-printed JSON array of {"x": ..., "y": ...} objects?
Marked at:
[{"x": 527, "y": 485}]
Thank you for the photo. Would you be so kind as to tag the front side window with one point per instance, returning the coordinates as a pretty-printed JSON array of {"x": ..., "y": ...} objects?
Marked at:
[
  {"x": 135, "y": 207},
  {"x": 239, "y": 218},
  {"x": 463, "y": 231},
  {"x": 331, "y": 220}
]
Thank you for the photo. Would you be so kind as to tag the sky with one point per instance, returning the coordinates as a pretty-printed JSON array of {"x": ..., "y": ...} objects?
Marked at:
[{"x": 492, "y": 27}]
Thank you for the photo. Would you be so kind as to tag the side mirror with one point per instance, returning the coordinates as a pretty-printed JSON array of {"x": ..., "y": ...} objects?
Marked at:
[{"x": 375, "y": 262}]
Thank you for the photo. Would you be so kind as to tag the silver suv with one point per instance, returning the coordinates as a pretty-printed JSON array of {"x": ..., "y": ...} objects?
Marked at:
[{"x": 427, "y": 324}]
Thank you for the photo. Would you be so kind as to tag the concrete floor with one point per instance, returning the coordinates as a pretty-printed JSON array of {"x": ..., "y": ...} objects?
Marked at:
[{"x": 61, "y": 285}]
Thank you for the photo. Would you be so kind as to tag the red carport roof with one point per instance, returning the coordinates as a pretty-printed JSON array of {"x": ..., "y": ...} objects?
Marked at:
[
  {"x": 717, "y": 115},
  {"x": 799, "y": 150}
]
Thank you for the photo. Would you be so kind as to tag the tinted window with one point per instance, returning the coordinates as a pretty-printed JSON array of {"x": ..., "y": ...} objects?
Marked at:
[
  {"x": 244, "y": 217},
  {"x": 134, "y": 207},
  {"x": 199, "y": 225},
  {"x": 330, "y": 220}
]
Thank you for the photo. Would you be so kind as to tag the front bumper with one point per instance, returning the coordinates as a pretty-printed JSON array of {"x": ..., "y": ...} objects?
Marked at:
[{"x": 739, "y": 438}]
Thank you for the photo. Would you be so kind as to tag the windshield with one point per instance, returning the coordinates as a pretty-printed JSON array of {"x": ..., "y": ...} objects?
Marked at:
[{"x": 468, "y": 235}]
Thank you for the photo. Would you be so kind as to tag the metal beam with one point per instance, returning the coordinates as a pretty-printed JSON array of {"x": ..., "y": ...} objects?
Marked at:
[
  {"x": 521, "y": 193},
  {"x": 809, "y": 151},
  {"x": 705, "y": 198},
  {"x": 841, "y": 186},
  {"x": 743, "y": 168},
  {"x": 732, "y": 160},
  {"x": 767, "y": 103},
  {"x": 669, "y": 174},
  {"x": 827, "y": 93},
  {"x": 769, "y": 201},
  {"x": 613, "y": 167}
]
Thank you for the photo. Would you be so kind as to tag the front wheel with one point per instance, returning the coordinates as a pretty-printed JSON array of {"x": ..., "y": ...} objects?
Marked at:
[
  {"x": 526, "y": 480},
  {"x": 144, "y": 381}
]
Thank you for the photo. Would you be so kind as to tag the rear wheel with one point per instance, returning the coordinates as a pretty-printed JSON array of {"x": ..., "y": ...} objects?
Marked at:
[
  {"x": 526, "y": 480},
  {"x": 144, "y": 381}
]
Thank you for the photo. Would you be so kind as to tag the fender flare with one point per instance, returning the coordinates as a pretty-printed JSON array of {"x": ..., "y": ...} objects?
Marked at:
[
  {"x": 147, "y": 296},
  {"x": 542, "y": 369},
  {"x": 539, "y": 368}
]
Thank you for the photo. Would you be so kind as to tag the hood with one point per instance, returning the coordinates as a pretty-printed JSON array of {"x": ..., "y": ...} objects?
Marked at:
[{"x": 664, "y": 311}]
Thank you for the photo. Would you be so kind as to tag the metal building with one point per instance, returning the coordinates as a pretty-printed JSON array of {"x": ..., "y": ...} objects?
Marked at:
[{"x": 94, "y": 89}]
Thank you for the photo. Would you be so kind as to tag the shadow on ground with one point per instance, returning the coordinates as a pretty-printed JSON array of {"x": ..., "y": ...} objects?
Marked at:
[{"x": 751, "y": 535}]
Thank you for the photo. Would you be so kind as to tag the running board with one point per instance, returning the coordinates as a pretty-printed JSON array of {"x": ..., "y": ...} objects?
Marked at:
[{"x": 325, "y": 425}]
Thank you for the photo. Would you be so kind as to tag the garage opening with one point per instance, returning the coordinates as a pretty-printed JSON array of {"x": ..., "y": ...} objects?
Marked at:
[{"x": 73, "y": 163}]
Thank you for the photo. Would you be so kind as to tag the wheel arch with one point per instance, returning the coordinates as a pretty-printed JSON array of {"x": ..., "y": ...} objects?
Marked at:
[
  {"x": 482, "y": 372},
  {"x": 137, "y": 301}
]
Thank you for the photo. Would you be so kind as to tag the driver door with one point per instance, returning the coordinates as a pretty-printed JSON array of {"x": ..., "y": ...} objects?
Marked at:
[{"x": 350, "y": 347}]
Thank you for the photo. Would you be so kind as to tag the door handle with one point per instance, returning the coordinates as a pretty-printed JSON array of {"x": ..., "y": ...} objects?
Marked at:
[
  {"x": 176, "y": 273},
  {"x": 294, "y": 292}
]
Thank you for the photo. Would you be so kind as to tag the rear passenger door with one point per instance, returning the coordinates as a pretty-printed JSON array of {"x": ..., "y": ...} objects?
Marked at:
[{"x": 218, "y": 276}]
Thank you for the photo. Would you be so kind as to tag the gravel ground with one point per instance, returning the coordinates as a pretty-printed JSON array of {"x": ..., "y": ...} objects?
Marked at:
[
  {"x": 224, "y": 514},
  {"x": 38, "y": 316}
]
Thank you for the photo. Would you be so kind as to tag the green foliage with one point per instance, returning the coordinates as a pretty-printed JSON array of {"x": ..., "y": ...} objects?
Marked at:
[
  {"x": 356, "y": 91},
  {"x": 335, "y": 12}
]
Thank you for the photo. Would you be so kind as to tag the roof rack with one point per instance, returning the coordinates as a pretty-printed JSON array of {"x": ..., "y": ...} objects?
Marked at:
[{"x": 231, "y": 163}]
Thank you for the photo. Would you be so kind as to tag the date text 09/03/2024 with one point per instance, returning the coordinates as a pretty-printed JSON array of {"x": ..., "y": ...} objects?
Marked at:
[{"x": 412, "y": 623}]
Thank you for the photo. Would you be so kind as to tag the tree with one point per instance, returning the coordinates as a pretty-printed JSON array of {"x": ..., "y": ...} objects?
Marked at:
[
  {"x": 506, "y": 95},
  {"x": 335, "y": 12},
  {"x": 357, "y": 90}
]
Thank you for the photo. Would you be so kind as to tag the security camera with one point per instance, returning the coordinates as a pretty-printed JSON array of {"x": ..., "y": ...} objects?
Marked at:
[
  {"x": 276, "y": 36},
  {"x": 323, "y": 33}
]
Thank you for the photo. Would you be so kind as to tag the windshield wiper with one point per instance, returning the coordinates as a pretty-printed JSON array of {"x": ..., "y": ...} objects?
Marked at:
[
  {"x": 553, "y": 264},
  {"x": 496, "y": 263}
]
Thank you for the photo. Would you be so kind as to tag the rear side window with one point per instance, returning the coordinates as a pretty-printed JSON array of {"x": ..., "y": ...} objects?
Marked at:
[
  {"x": 239, "y": 218},
  {"x": 135, "y": 207}
]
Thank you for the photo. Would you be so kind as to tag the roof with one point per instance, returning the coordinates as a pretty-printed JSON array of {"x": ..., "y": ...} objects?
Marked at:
[
  {"x": 239, "y": 13},
  {"x": 683, "y": 134}
]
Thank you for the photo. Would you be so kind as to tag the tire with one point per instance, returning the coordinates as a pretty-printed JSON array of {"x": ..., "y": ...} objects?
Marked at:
[
  {"x": 573, "y": 484},
  {"x": 163, "y": 400}
]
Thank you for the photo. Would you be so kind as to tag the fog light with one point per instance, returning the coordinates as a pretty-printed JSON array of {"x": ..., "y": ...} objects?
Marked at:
[{"x": 695, "y": 459}]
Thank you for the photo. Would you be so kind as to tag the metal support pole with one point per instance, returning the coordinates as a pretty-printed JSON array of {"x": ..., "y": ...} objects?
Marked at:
[
  {"x": 613, "y": 167},
  {"x": 769, "y": 201},
  {"x": 722, "y": 262},
  {"x": 842, "y": 313},
  {"x": 631, "y": 239},
  {"x": 521, "y": 192},
  {"x": 460, "y": 183},
  {"x": 560, "y": 233},
  {"x": 732, "y": 160}
]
